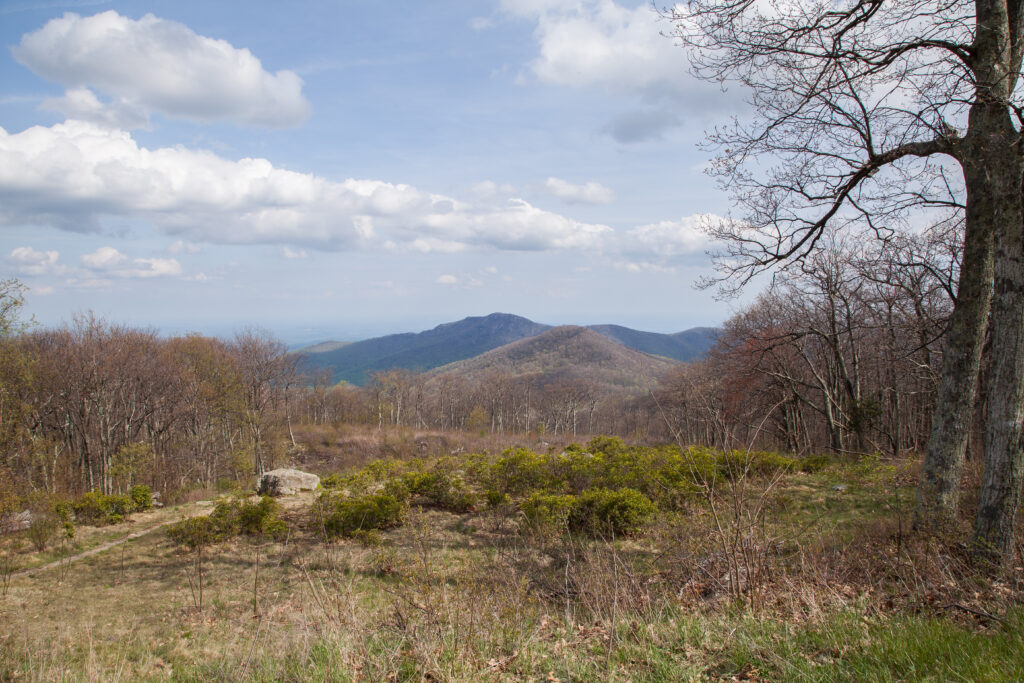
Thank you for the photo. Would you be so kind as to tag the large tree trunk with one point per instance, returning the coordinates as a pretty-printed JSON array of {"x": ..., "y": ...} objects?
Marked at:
[
  {"x": 1000, "y": 492},
  {"x": 989, "y": 157},
  {"x": 938, "y": 494}
]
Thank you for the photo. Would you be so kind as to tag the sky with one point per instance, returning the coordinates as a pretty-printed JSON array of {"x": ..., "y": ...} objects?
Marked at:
[{"x": 340, "y": 170}]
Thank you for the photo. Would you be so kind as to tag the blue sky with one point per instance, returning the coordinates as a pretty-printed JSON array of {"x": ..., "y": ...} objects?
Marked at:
[{"x": 346, "y": 169}]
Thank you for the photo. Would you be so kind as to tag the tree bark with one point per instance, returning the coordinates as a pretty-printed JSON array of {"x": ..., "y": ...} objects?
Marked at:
[
  {"x": 938, "y": 494},
  {"x": 999, "y": 497}
]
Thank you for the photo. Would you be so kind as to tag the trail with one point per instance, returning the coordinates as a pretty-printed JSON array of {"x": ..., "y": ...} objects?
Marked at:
[{"x": 108, "y": 545}]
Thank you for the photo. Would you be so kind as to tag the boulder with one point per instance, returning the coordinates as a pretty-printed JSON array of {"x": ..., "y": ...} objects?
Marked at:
[
  {"x": 285, "y": 481},
  {"x": 15, "y": 522}
]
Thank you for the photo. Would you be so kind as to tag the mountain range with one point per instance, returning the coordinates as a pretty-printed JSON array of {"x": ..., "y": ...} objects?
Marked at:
[{"x": 468, "y": 339}]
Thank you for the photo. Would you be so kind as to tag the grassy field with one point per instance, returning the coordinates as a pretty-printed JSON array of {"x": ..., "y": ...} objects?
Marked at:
[{"x": 783, "y": 575}]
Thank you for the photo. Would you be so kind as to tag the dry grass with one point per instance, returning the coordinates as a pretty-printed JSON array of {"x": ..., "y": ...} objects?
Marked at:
[{"x": 468, "y": 597}]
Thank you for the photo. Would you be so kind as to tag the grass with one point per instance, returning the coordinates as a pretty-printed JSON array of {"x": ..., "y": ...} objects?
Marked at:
[{"x": 476, "y": 596}]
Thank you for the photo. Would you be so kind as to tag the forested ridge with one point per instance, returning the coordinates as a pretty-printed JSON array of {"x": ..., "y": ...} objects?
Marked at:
[{"x": 841, "y": 355}]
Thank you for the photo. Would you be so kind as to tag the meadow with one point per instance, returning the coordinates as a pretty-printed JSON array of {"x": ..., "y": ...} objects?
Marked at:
[{"x": 592, "y": 561}]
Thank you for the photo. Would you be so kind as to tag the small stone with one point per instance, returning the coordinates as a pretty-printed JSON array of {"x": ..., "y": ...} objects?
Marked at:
[{"x": 840, "y": 487}]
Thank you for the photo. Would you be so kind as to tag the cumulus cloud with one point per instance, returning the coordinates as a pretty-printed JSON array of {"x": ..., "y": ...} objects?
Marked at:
[
  {"x": 160, "y": 65},
  {"x": 104, "y": 258},
  {"x": 109, "y": 262},
  {"x": 289, "y": 253},
  {"x": 73, "y": 175},
  {"x": 28, "y": 261},
  {"x": 601, "y": 43},
  {"x": 623, "y": 50},
  {"x": 670, "y": 239},
  {"x": 447, "y": 279},
  {"x": 82, "y": 104},
  {"x": 590, "y": 193}
]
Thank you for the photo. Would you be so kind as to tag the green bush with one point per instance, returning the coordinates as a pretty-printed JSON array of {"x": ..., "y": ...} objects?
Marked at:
[
  {"x": 621, "y": 512},
  {"x": 442, "y": 489},
  {"x": 100, "y": 509},
  {"x": 194, "y": 532},
  {"x": 734, "y": 464},
  {"x": 142, "y": 497},
  {"x": 241, "y": 517},
  {"x": 231, "y": 518},
  {"x": 347, "y": 516},
  {"x": 519, "y": 472},
  {"x": 594, "y": 511},
  {"x": 548, "y": 510},
  {"x": 813, "y": 463}
]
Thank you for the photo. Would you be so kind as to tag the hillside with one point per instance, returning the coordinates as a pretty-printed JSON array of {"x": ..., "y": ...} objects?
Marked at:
[
  {"x": 446, "y": 343},
  {"x": 568, "y": 352},
  {"x": 684, "y": 346},
  {"x": 470, "y": 337}
]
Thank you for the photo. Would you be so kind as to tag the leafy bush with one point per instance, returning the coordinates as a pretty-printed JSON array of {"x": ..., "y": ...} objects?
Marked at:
[
  {"x": 241, "y": 517},
  {"x": 548, "y": 510},
  {"x": 519, "y": 472},
  {"x": 194, "y": 532},
  {"x": 442, "y": 489},
  {"x": 231, "y": 518},
  {"x": 595, "y": 511},
  {"x": 347, "y": 516},
  {"x": 142, "y": 497},
  {"x": 624, "y": 511},
  {"x": 100, "y": 509},
  {"x": 733, "y": 464},
  {"x": 813, "y": 463}
]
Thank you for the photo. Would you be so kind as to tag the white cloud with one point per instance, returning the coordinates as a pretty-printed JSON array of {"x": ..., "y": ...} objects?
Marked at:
[
  {"x": 161, "y": 65},
  {"x": 111, "y": 262},
  {"x": 82, "y": 104},
  {"x": 488, "y": 189},
  {"x": 447, "y": 279},
  {"x": 586, "y": 43},
  {"x": 74, "y": 174},
  {"x": 104, "y": 258},
  {"x": 289, "y": 253},
  {"x": 623, "y": 50},
  {"x": 28, "y": 261},
  {"x": 182, "y": 246},
  {"x": 590, "y": 193},
  {"x": 669, "y": 239}
]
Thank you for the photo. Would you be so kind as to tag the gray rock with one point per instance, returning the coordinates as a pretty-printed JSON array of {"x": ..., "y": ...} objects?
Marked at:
[
  {"x": 18, "y": 521},
  {"x": 840, "y": 487},
  {"x": 285, "y": 481}
]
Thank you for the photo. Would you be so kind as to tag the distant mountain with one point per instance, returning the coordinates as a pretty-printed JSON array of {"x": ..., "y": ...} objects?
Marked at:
[
  {"x": 685, "y": 346},
  {"x": 470, "y": 337},
  {"x": 421, "y": 351},
  {"x": 567, "y": 352},
  {"x": 323, "y": 347}
]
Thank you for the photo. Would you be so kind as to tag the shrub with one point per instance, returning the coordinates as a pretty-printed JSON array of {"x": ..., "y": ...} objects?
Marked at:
[
  {"x": 42, "y": 527},
  {"x": 442, "y": 489},
  {"x": 624, "y": 511},
  {"x": 242, "y": 517},
  {"x": 142, "y": 497},
  {"x": 813, "y": 463},
  {"x": 734, "y": 464},
  {"x": 548, "y": 511},
  {"x": 519, "y": 472},
  {"x": 346, "y": 516},
  {"x": 100, "y": 509},
  {"x": 194, "y": 532}
]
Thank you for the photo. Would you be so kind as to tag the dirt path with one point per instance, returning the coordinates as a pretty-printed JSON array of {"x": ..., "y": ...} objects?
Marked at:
[{"x": 110, "y": 544}]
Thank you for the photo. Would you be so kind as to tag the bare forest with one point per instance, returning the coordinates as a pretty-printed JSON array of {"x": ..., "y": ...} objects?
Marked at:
[{"x": 840, "y": 355}]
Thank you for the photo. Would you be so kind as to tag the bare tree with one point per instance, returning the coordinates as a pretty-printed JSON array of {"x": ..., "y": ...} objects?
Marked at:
[{"x": 874, "y": 114}]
